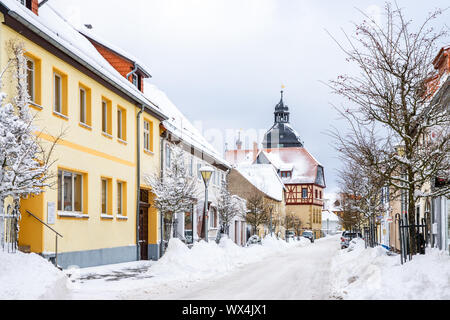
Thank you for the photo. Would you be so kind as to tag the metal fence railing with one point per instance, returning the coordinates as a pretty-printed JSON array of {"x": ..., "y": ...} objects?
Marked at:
[
  {"x": 406, "y": 231},
  {"x": 9, "y": 229}
]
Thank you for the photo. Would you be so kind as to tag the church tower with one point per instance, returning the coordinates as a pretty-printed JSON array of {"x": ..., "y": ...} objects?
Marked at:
[{"x": 281, "y": 135}]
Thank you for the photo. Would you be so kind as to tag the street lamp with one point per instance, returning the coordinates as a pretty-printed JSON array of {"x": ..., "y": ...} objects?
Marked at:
[{"x": 206, "y": 172}]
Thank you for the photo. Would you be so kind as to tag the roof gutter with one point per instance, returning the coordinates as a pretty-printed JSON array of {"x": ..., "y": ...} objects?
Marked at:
[{"x": 87, "y": 65}]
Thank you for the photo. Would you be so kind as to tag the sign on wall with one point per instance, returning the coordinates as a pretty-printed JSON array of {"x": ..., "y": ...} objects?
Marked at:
[{"x": 51, "y": 212}]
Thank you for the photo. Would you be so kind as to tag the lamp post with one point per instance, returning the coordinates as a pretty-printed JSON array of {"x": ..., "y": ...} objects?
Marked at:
[{"x": 206, "y": 172}]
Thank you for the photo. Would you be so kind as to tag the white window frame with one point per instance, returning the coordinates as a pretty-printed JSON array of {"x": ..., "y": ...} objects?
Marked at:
[
  {"x": 191, "y": 166},
  {"x": 147, "y": 135},
  {"x": 82, "y": 105},
  {"x": 199, "y": 174},
  {"x": 57, "y": 75},
  {"x": 61, "y": 192},
  {"x": 33, "y": 80}
]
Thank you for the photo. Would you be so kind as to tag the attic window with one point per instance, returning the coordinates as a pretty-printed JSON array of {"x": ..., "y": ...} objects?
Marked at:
[{"x": 286, "y": 174}]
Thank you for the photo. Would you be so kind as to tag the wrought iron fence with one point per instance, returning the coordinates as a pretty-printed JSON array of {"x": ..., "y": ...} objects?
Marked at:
[
  {"x": 406, "y": 231},
  {"x": 9, "y": 229}
]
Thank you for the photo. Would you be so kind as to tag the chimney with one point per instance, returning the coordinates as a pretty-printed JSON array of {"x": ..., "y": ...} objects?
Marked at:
[
  {"x": 255, "y": 150},
  {"x": 33, "y": 5}
]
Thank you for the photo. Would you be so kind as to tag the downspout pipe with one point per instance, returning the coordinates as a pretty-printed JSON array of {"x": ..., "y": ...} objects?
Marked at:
[
  {"x": 132, "y": 71},
  {"x": 138, "y": 179}
]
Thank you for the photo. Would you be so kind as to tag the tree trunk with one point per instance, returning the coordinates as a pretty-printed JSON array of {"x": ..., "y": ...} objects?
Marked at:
[{"x": 411, "y": 217}]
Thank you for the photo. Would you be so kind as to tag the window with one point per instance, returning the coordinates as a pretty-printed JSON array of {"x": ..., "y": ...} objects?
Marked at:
[
  {"x": 57, "y": 86},
  {"x": 304, "y": 193},
  {"x": 59, "y": 93},
  {"x": 31, "y": 79},
  {"x": 191, "y": 166},
  {"x": 70, "y": 191},
  {"x": 167, "y": 156},
  {"x": 199, "y": 174},
  {"x": 213, "y": 218},
  {"x": 148, "y": 136},
  {"x": 317, "y": 193},
  {"x": 106, "y": 117},
  {"x": 106, "y": 196},
  {"x": 121, "y": 124},
  {"x": 82, "y": 105},
  {"x": 120, "y": 198}
]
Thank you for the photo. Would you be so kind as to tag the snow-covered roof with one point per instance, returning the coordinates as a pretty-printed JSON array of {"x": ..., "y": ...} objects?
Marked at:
[
  {"x": 57, "y": 30},
  {"x": 264, "y": 178},
  {"x": 298, "y": 160},
  {"x": 328, "y": 215},
  {"x": 179, "y": 125}
]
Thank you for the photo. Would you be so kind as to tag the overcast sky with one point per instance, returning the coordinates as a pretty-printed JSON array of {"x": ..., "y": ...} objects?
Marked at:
[{"x": 222, "y": 62}]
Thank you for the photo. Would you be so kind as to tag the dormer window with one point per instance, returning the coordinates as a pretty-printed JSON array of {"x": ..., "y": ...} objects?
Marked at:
[
  {"x": 135, "y": 81},
  {"x": 286, "y": 174}
]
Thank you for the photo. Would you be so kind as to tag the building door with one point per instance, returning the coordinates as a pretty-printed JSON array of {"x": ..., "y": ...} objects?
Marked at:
[{"x": 143, "y": 230}]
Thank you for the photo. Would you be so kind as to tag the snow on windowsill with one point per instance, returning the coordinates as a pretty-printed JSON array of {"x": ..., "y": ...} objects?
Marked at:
[
  {"x": 106, "y": 216},
  {"x": 73, "y": 214},
  {"x": 84, "y": 125},
  {"x": 121, "y": 217}
]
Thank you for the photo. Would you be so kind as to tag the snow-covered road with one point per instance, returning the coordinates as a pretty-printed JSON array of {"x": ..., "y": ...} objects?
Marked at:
[{"x": 298, "y": 273}]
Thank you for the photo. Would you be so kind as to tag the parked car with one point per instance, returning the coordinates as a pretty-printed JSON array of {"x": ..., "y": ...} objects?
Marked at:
[
  {"x": 347, "y": 236},
  {"x": 290, "y": 234},
  {"x": 308, "y": 234},
  {"x": 253, "y": 240}
]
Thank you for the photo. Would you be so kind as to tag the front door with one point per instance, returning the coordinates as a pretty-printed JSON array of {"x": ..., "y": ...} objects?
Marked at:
[{"x": 143, "y": 231}]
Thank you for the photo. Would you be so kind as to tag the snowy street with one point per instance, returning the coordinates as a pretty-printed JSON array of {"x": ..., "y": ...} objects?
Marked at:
[
  {"x": 300, "y": 271},
  {"x": 275, "y": 270}
]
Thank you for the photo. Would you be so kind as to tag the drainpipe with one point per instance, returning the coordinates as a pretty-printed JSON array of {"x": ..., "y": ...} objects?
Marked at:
[
  {"x": 138, "y": 180},
  {"x": 133, "y": 71},
  {"x": 161, "y": 218}
]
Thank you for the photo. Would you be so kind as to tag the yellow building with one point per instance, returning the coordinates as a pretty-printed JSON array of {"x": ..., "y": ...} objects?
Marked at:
[{"x": 110, "y": 130}]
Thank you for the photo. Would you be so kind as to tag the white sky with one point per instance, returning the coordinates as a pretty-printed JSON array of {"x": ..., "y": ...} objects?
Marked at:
[{"x": 222, "y": 62}]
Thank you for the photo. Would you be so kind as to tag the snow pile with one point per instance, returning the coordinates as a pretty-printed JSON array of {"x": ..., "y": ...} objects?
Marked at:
[
  {"x": 360, "y": 273},
  {"x": 207, "y": 259},
  {"x": 29, "y": 277}
]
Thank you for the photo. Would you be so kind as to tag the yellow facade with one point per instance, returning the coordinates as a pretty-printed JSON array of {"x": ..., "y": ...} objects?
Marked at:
[
  {"x": 310, "y": 216},
  {"x": 86, "y": 150}
]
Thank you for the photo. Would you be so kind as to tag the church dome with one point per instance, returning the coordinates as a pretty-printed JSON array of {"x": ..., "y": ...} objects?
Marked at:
[{"x": 282, "y": 135}]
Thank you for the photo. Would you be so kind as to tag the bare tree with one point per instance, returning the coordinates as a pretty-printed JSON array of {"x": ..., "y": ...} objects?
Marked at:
[
  {"x": 229, "y": 206},
  {"x": 390, "y": 110},
  {"x": 175, "y": 191},
  {"x": 257, "y": 211}
]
